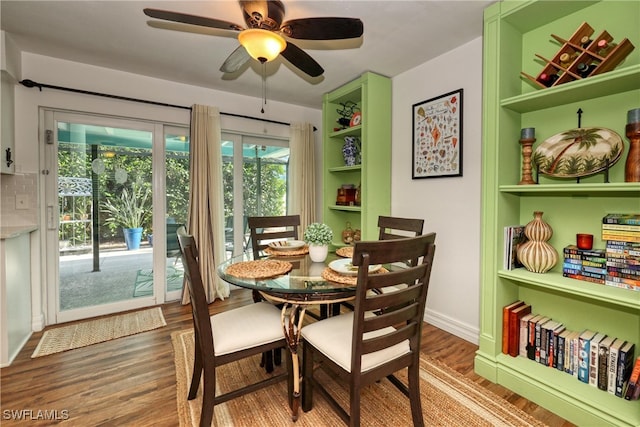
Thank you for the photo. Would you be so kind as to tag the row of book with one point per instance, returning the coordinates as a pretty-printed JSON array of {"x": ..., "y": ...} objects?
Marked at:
[
  {"x": 621, "y": 232},
  {"x": 594, "y": 358}
]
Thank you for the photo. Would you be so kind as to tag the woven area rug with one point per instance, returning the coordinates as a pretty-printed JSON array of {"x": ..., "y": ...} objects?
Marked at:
[
  {"x": 83, "y": 334},
  {"x": 448, "y": 398}
]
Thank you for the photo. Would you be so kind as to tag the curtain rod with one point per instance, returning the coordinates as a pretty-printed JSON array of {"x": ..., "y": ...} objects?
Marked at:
[{"x": 30, "y": 83}]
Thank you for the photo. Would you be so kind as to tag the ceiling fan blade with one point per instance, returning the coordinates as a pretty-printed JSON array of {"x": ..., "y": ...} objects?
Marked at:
[
  {"x": 302, "y": 60},
  {"x": 266, "y": 15},
  {"x": 323, "y": 28},
  {"x": 191, "y": 19},
  {"x": 236, "y": 60}
]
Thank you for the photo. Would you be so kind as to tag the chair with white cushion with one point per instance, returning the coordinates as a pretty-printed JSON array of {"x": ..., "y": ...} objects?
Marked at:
[
  {"x": 226, "y": 337},
  {"x": 366, "y": 348}
]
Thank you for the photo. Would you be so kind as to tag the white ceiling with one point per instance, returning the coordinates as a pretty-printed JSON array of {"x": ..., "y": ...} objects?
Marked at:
[{"x": 398, "y": 35}]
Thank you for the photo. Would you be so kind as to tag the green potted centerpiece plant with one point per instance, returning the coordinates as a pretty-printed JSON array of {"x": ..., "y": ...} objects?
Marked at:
[
  {"x": 318, "y": 236},
  {"x": 130, "y": 212}
]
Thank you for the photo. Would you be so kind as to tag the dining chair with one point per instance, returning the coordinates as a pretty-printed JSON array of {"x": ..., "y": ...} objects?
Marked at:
[
  {"x": 262, "y": 230},
  {"x": 226, "y": 337},
  {"x": 398, "y": 228},
  {"x": 365, "y": 348}
]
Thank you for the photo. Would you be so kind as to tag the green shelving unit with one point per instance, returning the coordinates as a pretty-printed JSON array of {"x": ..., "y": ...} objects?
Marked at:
[
  {"x": 372, "y": 95},
  {"x": 514, "y": 32}
]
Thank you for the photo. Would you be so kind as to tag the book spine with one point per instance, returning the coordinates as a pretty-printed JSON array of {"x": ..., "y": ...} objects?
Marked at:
[
  {"x": 624, "y": 233},
  {"x": 623, "y": 219},
  {"x": 625, "y": 365},
  {"x": 575, "y": 356},
  {"x": 560, "y": 353},
  {"x": 624, "y": 238},
  {"x": 531, "y": 344},
  {"x": 613, "y": 369},
  {"x": 635, "y": 276},
  {"x": 621, "y": 227},
  {"x": 583, "y": 360},
  {"x": 593, "y": 360},
  {"x": 633, "y": 380},
  {"x": 603, "y": 367},
  {"x": 514, "y": 329},
  {"x": 544, "y": 345},
  {"x": 524, "y": 337}
]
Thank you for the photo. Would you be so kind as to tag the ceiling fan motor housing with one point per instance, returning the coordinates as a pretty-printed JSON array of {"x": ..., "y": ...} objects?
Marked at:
[{"x": 256, "y": 15}]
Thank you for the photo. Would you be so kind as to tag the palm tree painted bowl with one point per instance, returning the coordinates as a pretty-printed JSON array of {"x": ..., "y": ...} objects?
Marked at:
[{"x": 578, "y": 152}]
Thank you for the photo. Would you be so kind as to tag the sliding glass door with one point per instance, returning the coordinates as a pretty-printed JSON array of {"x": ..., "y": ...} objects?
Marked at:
[{"x": 108, "y": 222}]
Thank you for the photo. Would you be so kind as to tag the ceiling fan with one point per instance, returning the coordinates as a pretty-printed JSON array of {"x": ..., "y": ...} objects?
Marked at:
[{"x": 264, "y": 37}]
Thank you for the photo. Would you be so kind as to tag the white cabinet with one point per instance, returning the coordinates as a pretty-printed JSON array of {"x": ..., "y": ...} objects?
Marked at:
[
  {"x": 7, "y": 135},
  {"x": 15, "y": 294}
]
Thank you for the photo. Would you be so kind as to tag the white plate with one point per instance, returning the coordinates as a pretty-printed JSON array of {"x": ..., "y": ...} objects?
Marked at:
[
  {"x": 344, "y": 266},
  {"x": 286, "y": 245}
]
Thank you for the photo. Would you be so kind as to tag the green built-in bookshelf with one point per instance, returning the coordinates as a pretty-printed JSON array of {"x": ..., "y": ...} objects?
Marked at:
[
  {"x": 371, "y": 94},
  {"x": 514, "y": 32}
]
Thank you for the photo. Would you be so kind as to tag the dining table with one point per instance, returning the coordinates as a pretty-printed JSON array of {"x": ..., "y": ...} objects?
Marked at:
[{"x": 290, "y": 278}]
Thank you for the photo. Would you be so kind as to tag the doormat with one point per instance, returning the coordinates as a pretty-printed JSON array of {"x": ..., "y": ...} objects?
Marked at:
[
  {"x": 143, "y": 285},
  {"x": 90, "y": 332}
]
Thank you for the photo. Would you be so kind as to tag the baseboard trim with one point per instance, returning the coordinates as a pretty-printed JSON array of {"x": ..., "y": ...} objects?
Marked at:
[{"x": 463, "y": 330}]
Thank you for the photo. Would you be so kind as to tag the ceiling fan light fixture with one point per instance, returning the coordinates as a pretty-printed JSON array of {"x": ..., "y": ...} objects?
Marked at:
[{"x": 262, "y": 45}]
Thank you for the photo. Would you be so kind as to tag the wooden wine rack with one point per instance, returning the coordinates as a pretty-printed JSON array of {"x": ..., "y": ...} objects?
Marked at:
[{"x": 587, "y": 54}]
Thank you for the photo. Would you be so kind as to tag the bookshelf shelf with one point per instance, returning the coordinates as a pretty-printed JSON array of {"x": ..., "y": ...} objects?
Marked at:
[
  {"x": 554, "y": 382},
  {"x": 586, "y": 189},
  {"x": 345, "y": 208},
  {"x": 559, "y": 284},
  {"x": 516, "y": 35},
  {"x": 345, "y": 168}
]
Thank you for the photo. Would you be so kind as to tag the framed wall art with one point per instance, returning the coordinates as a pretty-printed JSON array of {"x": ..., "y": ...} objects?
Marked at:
[{"x": 437, "y": 136}]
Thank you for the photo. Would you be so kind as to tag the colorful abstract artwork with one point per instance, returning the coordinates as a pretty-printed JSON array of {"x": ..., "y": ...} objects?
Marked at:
[{"x": 437, "y": 136}]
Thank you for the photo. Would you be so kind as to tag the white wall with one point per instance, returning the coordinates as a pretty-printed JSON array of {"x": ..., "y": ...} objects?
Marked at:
[{"x": 449, "y": 206}]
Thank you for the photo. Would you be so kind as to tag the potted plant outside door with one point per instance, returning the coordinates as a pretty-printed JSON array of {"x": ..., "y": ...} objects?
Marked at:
[{"x": 129, "y": 211}]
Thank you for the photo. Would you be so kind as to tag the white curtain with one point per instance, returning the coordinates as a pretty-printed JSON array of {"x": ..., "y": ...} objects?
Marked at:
[
  {"x": 206, "y": 201},
  {"x": 302, "y": 174}
]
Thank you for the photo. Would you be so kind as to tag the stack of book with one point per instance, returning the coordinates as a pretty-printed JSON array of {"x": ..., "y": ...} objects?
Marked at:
[
  {"x": 621, "y": 232},
  {"x": 589, "y": 265},
  {"x": 607, "y": 363}
]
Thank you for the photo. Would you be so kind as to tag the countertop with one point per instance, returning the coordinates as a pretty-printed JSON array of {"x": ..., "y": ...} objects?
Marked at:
[{"x": 9, "y": 232}]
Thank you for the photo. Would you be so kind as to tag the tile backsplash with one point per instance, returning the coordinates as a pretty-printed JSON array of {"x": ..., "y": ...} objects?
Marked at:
[{"x": 18, "y": 199}]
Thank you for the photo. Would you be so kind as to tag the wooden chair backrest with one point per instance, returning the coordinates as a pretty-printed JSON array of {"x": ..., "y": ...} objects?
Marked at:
[
  {"x": 199, "y": 306},
  {"x": 403, "y": 306},
  {"x": 398, "y": 228},
  {"x": 265, "y": 228}
]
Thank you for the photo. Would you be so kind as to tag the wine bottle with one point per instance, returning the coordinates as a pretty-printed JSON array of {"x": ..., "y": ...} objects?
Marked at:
[
  {"x": 585, "y": 41},
  {"x": 584, "y": 69},
  {"x": 548, "y": 79},
  {"x": 604, "y": 47},
  {"x": 565, "y": 60}
]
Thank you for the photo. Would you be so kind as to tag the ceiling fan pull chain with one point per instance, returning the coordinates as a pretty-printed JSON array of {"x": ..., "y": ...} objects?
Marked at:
[{"x": 264, "y": 86}]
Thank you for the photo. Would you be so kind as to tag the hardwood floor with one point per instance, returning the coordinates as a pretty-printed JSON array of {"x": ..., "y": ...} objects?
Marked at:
[{"x": 131, "y": 381}]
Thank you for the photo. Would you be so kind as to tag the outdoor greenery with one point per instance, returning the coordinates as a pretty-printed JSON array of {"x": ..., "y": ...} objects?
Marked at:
[
  {"x": 318, "y": 234},
  {"x": 131, "y": 209},
  {"x": 264, "y": 194}
]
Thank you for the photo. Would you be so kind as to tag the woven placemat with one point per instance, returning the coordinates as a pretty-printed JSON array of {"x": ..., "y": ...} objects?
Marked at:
[
  {"x": 333, "y": 276},
  {"x": 346, "y": 251},
  {"x": 295, "y": 252},
  {"x": 259, "y": 269}
]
